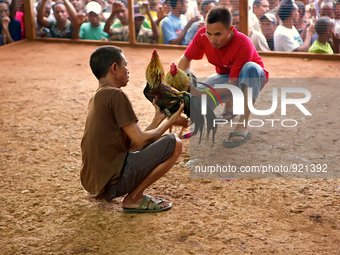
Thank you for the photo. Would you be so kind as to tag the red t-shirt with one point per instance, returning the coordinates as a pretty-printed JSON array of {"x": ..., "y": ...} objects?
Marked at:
[{"x": 229, "y": 59}]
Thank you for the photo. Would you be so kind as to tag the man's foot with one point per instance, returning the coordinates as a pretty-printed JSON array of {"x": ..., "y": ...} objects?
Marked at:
[
  {"x": 234, "y": 144},
  {"x": 146, "y": 204},
  {"x": 228, "y": 110},
  {"x": 238, "y": 137}
]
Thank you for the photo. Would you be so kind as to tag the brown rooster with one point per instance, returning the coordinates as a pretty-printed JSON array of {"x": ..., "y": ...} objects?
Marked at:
[
  {"x": 169, "y": 99},
  {"x": 177, "y": 79}
]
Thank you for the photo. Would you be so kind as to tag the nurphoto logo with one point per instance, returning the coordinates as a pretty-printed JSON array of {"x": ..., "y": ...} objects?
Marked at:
[{"x": 238, "y": 104}]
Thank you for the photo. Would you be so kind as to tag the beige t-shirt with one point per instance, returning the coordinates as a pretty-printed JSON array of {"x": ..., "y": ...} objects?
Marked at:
[{"x": 104, "y": 144}]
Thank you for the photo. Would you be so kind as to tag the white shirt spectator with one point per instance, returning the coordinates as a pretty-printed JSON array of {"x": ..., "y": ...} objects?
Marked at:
[{"x": 286, "y": 39}]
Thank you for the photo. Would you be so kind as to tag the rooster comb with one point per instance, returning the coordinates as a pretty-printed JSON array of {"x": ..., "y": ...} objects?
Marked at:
[{"x": 173, "y": 69}]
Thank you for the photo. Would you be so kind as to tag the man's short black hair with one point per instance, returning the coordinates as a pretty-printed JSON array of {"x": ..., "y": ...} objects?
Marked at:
[
  {"x": 322, "y": 24},
  {"x": 173, "y": 3},
  {"x": 301, "y": 6},
  {"x": 219, "y": 14},
  {"x": 124, "y": 2},
  {"x": 257, "y": 3},
  {"x": 286, "y": 9},
  {"x": 6, "y": 2},
  {"x": 207, "y": 2},
  {"x": 58, "y": 3},
  {"x": 103, "y": 58}
]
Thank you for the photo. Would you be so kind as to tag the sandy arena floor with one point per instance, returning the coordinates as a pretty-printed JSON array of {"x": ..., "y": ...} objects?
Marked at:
[{"x": 44, "y": 89}]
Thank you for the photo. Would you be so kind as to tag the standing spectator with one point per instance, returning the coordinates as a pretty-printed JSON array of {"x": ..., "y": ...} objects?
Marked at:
[
  {"x": 227, "y": 4},
  {"x": 17, "y": 11},
  {"x": 192, "y": 10},
  {"x": 42, "y": 31},
  {"x": 10, "y": 29},
  {"x": 174, "y": 29},
  {"x": 337, "y": 13},
  {"x": 62, "y": 27},
  {"x": 206, "y": 6},
  {"x": 120, "y": 11},
  {"x": 268, "y": 26},
  {"x": 286, "y": 37},
  {"x": 324, "y": 27},
  {"x": 327, "y": 10},
  {"x": 78, "y": 5},
  {"x": 92, "y": 30},
  {"x": 300, "y": 25},
  {"x": 253, "y": 21},
  {"x": 256, "y": 37},
  {"x": 260, "y": 7},
  {"x": 143, "y": 34}
]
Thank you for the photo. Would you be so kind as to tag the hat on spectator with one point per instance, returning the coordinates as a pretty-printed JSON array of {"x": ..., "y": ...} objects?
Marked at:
[
  {"x": 269, "y": 16},
  {"x": 137, "y": 12},
  {"x": 93, "y": 7}
]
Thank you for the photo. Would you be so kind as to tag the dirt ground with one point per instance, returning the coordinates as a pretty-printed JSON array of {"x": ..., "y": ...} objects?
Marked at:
[{"x": 44, "y": 89}]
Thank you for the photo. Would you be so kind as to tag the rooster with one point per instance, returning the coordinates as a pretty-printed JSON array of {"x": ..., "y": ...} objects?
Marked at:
[
  {"x": 179, "y": 80},
  {"x": 169, "y": 99}
]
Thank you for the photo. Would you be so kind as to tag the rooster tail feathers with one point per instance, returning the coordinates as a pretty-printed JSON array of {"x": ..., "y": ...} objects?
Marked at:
[
  {"x": 194, "y": 112},
  {"x": 210, "y": 123},
  {"x": 196, "y": 117}
]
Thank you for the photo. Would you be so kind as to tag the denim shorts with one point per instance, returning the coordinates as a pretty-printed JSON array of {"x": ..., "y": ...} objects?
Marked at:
[{"x": 251, "y": 75}]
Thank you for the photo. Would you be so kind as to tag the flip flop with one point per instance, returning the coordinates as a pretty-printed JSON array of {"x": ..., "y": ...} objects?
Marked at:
[
  {"x": 238, "y": 143},
  {"x": 145, "y": 207},
  {"x": 227, "y": 113}
]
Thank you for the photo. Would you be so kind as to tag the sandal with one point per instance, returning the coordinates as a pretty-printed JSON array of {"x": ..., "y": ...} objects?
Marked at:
[
  {"x": 238, "y": 143},
  {"x": 145, "y": 207}
]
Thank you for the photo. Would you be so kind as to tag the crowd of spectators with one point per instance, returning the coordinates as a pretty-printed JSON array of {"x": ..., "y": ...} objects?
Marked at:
[{"x": 280, "y": 25}]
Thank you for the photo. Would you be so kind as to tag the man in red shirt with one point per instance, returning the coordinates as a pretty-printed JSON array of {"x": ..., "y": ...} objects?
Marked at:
[{"x": 236, "y": 62}]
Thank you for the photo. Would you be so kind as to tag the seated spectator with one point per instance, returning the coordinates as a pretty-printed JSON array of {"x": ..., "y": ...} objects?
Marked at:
[
  {"x": 42, "y": 31},
  {"x": 10, "y": 29},
  {"x": 268, "y": 25},
  {"x": 174, "y": 29},
  {"x": 324, "y": 27},
  {"x": 256, "y": 37},
  {"x": 143, "y": 34},
  {"x": 62, "y": 27},
  {"x": 206, "y": 6},
  {"x": 92, "y": 30},
  {"x": 286, "y": 37}
]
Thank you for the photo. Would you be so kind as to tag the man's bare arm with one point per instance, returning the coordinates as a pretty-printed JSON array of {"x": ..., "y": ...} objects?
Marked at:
[
  {"x": 141, "y": 139},
  {"x": 184, "y": 63}
]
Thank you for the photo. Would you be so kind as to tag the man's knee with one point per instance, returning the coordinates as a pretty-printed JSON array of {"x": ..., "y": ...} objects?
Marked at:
[{"x": 179, "y": 146}]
